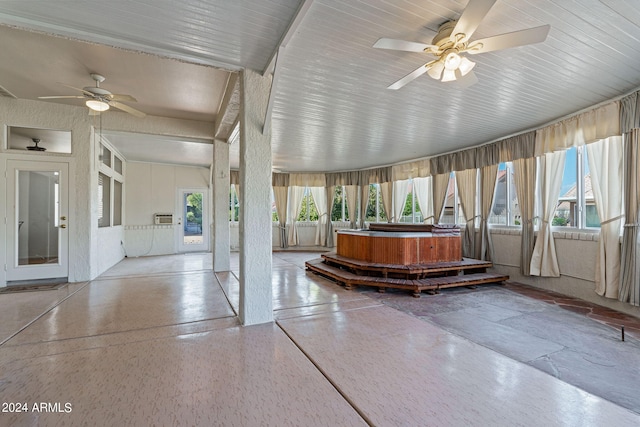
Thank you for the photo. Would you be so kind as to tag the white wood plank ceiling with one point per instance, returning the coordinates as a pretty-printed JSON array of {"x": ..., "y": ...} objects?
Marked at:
[{"x": 332, "y": 110}]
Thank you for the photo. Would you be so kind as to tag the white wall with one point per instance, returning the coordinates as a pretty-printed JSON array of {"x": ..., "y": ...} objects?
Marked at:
[{"x": 152, "y": 188}]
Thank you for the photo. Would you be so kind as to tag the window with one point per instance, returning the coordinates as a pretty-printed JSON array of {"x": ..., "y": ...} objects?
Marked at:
[
  {"x": 117, "y": 203},
  {"x": 412, "y": 212},
  {"x": 110, "y": 186},
  {"x": 375, "y": 208},
  {"x": 576, "y": 204},
  {"x": 340, "y": 211},
  {"x": 452, "y": 212},
  {"x": 308, "y": 212},
  {"x": 234, "y": 204},
  {"x": 104, "y": 200},
  {"x": 505, "y": 209}
]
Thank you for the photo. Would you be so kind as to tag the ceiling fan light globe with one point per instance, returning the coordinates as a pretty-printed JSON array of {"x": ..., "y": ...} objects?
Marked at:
[
  {"x": 466, "y": 66},
  {"x": 452, "y": 61},
  {"x": 96, "y": 105},
  {"x": 448, "y": 75},
  {"x": 435, "y": 72}
]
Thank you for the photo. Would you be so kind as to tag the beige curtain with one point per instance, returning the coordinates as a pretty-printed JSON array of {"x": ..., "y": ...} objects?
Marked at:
[
  {"x": 281, "y": 196},
  {"x": 424, "y": 194},
  {"x": 331, "y": 196},
  {"x": 544, "y": 260},
  {"x": 400, "y": 191},
  {"x": 352, "y": 204},
  {"x": 584, "y": 128},
  {"x": 525, "y": 177},
  {"x": 605, "y": 163},
  {"x": 488, "y": 176},
  {"x": 467, "y": 183},
  {"x": 630, "y": 266},
  {"x": 319, "y": 195},
  {"x": 295, "y": 205},
  {"x": 387, "y": 201},
  {"x": 440, "y": 186}
]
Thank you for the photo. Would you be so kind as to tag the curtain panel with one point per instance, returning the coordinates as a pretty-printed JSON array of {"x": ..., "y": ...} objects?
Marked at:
[
  {"x": 281, "y": 196},
  {"x": 544, "y": 260},
  {"x": 509, "y": 149},
  {"x": 400, "y": 192},
  {"x": 630, "y": 267},
  {"x": 293, "y": 210},
  {"x": 606, "y": 165},
  {"x": 415, "y": 169},
  {"x": 440, "y": 185},
  {"x": 488, "y": 176},
  {"x": 525, "y": 177},
  {"x": 584, "y": 128},
  {"x": 352, "y": 204},
  {"x": 331, "y": 195},
  {"x": 467, "y": 182},
  {"x": 319, "y": 195},
  {"x": 424, "y": 194}
]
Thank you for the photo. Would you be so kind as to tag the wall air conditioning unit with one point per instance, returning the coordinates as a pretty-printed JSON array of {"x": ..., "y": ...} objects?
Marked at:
[{"x": 163, "y": 219}]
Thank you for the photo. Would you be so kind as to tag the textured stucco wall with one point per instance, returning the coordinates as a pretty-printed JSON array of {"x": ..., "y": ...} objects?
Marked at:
[{"x": 255, "y": 202}]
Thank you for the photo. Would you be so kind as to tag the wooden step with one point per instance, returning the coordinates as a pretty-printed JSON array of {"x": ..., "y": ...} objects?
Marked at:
[
  {"x": 416, "y": 270},
  {"x": 462, "y": 280}
]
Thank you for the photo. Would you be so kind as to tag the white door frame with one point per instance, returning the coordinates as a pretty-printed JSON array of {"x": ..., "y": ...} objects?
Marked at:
[
  {"x": 180, "y": 220},
  {"x": 59, "y": 269}
]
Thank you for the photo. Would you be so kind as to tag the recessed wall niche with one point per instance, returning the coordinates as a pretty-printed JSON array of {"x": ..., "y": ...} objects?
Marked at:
[{"x": 34, "y": 140}]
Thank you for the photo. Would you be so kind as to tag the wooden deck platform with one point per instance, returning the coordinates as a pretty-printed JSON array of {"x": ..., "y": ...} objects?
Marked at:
[{"x": 417, "y": 278}]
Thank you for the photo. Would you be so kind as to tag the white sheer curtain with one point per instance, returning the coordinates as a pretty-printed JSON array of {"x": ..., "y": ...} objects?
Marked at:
[
  {"x": 423, "y": 189},
  {"x": 352, "y": 203},
  {"x": 544, "y": 261},
  {"x": 467, "y": 183},
  {"x": 605, "y": 163},
  {"x": 319, "y": 195},
  {"x": 385, "y": 194},
  {"x": 400, "y": 191},
  {"x": 295, "y": 205},
  {"x": 280, "y": 194}
]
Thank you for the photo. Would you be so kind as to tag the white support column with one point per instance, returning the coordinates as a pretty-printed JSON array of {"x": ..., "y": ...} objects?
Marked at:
[
  {"x": 255, "y": 203},
  {"x": 221, "y": 184}
]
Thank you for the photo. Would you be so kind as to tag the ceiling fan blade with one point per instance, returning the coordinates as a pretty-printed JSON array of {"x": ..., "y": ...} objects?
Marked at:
[
  {"x": 411, "y": 76},
  {"x": 62, "y": 97},
  {"x": 122, "y": 97},
  {"x": 403, "y": 45},
  {"x": 127, "y": 109},
  {"x": 471, "y": 17},
  {"x": 77, "y": 88},
  {"x": 508, "y": 40}
]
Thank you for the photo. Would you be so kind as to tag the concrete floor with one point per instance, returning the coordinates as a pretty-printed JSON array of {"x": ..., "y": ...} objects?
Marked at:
[{"x": 155, "y": 341}]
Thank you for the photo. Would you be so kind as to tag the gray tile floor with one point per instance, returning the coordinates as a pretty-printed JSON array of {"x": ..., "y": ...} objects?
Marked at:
[{"x": 566, "y": 345}]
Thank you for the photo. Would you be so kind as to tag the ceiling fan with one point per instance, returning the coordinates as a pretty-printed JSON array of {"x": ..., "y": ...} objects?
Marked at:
[
  {"x": 99, "y": 99},
  {"x": 452, "y": 40}
]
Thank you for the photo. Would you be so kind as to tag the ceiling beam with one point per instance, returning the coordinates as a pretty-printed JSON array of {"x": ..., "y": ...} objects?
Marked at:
[
  {"x": 288, "y": 35},
  {"x": 227, "y": 117}
]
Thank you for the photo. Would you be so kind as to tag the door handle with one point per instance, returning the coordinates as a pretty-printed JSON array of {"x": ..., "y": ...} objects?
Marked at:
[
  {"x": 63, "y": 225},
  {"x": 63, "y": 218}
]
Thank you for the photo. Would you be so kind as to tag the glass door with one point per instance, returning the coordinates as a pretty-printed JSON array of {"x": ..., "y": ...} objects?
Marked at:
[
  {"x": 38, "y": 239},
  {"x": 193, "y": 224}
]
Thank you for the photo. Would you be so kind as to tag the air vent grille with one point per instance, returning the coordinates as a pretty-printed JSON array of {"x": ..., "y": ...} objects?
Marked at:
[{"x": 5, "y": 93}]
